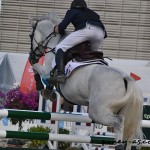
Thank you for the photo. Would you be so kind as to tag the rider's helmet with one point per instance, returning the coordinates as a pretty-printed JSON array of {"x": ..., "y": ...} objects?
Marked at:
[{"x": 78, "y": 4}]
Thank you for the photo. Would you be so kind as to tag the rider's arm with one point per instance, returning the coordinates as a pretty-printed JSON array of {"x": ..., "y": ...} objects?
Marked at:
[{"x": 67, "y": 20}]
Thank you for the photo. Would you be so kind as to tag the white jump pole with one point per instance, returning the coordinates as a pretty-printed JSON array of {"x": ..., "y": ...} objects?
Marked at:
[{"x": 11, "y": 113}]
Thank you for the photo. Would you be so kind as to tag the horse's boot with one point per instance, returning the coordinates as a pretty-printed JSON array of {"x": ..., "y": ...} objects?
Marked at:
[
  {"x": 60, "y": 75},
  {"x": 39, "y": 84}
]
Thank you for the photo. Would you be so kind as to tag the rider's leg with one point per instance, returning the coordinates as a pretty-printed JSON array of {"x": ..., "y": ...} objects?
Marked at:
[
  {"x": 87, "y": 33},
  {"x": 60, "y": 75},
  {"x": 60, "y": 66},
  {"x": 97, "y": 37},
  {"x": 70, "y": 41},
  {"x": 73, "y": 39},
  {"x": 90, "y": 33}
]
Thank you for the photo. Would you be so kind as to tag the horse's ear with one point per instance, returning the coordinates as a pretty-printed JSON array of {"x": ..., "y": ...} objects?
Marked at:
[
  {"x": 54, "y": 18},
  {"x": 32, "y": 21}
]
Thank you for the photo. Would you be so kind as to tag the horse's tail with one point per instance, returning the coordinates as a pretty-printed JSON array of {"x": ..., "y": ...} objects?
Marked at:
[{"x": 131, "y": 108}]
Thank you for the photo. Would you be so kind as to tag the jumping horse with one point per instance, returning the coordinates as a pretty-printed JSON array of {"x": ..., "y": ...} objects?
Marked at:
[{"x": 112, "y": 96}]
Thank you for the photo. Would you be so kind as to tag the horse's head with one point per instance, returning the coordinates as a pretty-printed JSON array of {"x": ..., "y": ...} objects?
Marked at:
[{"x": 42, "y": 37}]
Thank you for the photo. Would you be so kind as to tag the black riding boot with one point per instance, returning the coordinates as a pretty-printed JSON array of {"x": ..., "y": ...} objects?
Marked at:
[{"x": 60, "y": 76}]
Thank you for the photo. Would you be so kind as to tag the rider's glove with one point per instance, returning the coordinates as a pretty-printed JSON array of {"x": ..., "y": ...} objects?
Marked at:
[{"x": 56, "y": 29}]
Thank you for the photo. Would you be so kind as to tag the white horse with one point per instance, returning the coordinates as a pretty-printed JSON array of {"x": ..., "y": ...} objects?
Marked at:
[{"x": 112, "y": 96}]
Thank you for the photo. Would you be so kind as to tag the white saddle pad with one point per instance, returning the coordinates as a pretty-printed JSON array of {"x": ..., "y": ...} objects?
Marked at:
[{"x": 71, "y": 65}]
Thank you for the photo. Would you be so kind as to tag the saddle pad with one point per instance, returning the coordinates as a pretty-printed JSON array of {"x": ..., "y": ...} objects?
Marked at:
[{"x": 71, "y": 65}]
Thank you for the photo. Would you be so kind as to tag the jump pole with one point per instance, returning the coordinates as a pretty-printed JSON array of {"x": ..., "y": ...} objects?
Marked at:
[
  {"x": 64, "y": 137},
  {"x": 11, "y": 113},
  {"x": 57, "y": 137}
]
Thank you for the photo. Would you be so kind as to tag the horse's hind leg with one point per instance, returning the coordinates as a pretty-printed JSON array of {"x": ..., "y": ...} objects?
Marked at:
[
  {"x": 119, "y": 127},
  {"x": 104, "y": 117}
]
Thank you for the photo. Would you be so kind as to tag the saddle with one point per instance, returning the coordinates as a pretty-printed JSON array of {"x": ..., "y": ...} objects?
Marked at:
[{"x": 82, "y": 52}]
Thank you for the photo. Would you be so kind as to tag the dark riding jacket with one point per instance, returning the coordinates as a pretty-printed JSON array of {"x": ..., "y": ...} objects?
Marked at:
[{"x": 79, "y": 18}]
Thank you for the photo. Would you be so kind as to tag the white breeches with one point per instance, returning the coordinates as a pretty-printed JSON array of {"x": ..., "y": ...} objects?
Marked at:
[{"x": 91, "y": 33}]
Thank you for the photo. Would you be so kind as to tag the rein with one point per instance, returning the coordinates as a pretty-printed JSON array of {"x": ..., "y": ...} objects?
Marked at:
[{"x": 48, "y": 38}]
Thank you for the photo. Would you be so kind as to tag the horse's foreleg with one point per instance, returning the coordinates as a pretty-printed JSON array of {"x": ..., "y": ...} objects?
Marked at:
[
  {"x": 49, "y": 94},
  {"x": 39, "y": 68},
  {"x": 39, "y": 84},
  {"x": 37, "y": 77}
]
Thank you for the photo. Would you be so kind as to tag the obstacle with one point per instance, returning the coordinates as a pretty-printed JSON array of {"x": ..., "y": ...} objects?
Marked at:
[
  {"x": 57, "y": 137},
  {"x": 67, "y": 138},
  {"x": 11, "y": 113}
]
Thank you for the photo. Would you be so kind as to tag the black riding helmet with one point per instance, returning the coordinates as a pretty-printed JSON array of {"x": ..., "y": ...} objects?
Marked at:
[{"x": 78, "y": 4}]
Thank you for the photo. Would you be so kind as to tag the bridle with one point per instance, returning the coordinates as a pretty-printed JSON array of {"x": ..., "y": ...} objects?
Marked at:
[{"x": 33, "y": 53}]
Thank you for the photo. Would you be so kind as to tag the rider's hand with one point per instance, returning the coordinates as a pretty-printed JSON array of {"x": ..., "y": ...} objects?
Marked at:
[{"x": 56, "y": 29}]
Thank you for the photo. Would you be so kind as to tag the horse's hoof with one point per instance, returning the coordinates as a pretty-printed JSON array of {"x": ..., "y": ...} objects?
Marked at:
[
  {"x": 119, "y": 147},
  {"x": 49, "y": 95},
  {"x": 53, "y": 96}
]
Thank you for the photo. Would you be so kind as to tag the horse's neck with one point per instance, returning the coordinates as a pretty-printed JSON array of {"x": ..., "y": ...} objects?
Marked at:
[
  {"x": 50, "y": 55},
  {"x": 54, "y": 41}
]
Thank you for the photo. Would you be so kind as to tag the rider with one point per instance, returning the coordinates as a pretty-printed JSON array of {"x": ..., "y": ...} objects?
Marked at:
[{"x": 88, "y": 27}]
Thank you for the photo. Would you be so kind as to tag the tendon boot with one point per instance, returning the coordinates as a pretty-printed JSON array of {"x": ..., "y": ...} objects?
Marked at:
[
  {"x": 60, "y": 75},
  {"x": 39, "y": 84}
]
